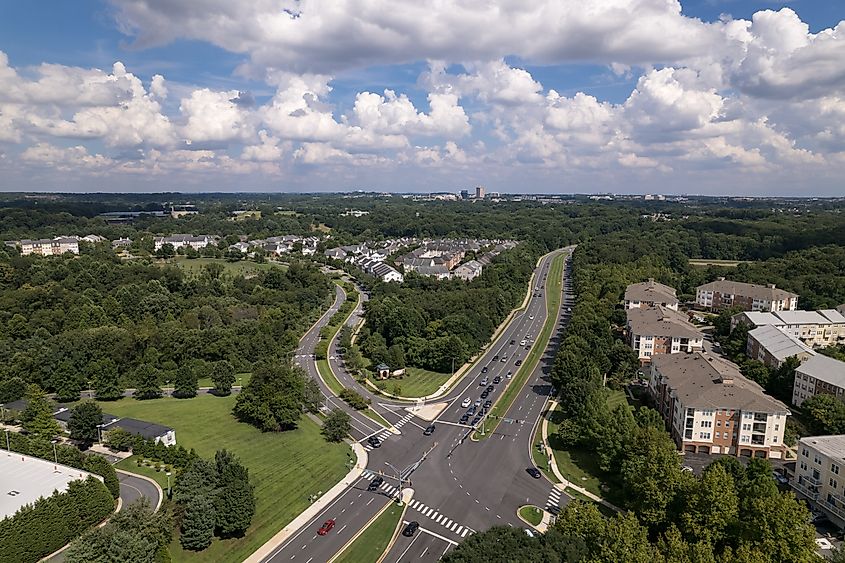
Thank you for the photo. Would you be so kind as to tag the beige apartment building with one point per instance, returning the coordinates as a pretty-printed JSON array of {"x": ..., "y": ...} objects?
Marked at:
[
  {"x": 815, "y": 329},
  {"x": 772, "y": 346},
  {"x": 820, "y": 474},
  {"x": 724, "y": 294},
  {"x": 818, "y": 375},
  {"x": 50, "y": 247},
  {"x": 710, "y": 407},
  {"x": 660, "y": 330},
  {"x": 650, "y": 294}
]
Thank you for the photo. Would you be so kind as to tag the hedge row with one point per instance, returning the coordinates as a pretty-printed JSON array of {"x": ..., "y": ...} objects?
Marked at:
[{"x": 46, "y": 525}]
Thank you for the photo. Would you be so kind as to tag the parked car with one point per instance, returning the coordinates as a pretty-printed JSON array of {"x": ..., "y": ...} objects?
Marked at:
[
  {"x": 326, "y": 527},
  {"x": 485, "y": 394},
  {"x": 476, "y": 420},
  {"x": 472, "y": 410},
  {"x": 429, "y": 430},
  {"x": 477, "y": 403},
  {"x": 488, "y": 404},
  {"x": 490, "y": 388},
  {"x": 410, "y": 529},
  {"x": 509, "y": 374},
  {"x": 467, "y": 402},
  {"x": 464, "y": 418},
  {"x": 375, "y": 483}
]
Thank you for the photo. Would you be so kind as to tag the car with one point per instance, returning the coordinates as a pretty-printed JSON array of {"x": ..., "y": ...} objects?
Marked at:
[
  {"x": 482, "y": 412},
  {"x": 522, "y": 343},
  {"x": 429, "y": 430},
  {"x": 496, "y": 357},
  {"x": 534, "y": 472},
  {"x": 374, "y": 441},
  {"x": 467, "y": 402},
  {"x": 509, "y": 374},
  {"x": 488, "y": 404},
  {"x": 513, "y": 342},
  {"x": 410, "y": 529},
  {"x": 823, "y": 544},
  {"x": 528, "y": 532},
  {"x": 476, "y": 420},
  {"x": 553, "y": 509},
  {"x": 497, "y": 380},
  {"x": 518, "y": 362},
  {"x": 477, "y": 403},
  {"x": 375, "y": 483},
  {"x": 472, "y": 410},
  {"x": 490, "y": 388},
  {"x": 464, "y": 418},
  {"x": 569, "y": 309},
  {"x": 485, "y": 394},
  {"x": 528, "y": 346},
  {"x": 483, "y": 382},
  {"x": 504, "y": 359},
  {"x": 485, "y": 369},
  {"x": 531, "y": 317},
  {"x": 326, "y": 527}
]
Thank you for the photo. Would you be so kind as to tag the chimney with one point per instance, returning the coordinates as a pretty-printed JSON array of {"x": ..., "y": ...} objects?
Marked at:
[
  {"x": 771, "y": 286},
  {"x": 726, "y": 380}
]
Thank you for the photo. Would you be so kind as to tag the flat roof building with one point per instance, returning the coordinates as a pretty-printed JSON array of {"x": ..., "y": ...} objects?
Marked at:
[{"x": 820, "y": 474}]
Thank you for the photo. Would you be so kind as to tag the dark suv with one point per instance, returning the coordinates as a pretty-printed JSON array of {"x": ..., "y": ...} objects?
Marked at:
[
  {"x": 375, "y": 483},
  {"x": 374, "y": 441}
]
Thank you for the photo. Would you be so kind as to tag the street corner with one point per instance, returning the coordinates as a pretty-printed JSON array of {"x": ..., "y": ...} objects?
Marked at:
[{"x": 428, "y": 412}]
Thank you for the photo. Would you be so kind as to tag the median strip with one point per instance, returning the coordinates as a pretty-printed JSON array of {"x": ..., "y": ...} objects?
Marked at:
[{"x": 553, "y": 296}]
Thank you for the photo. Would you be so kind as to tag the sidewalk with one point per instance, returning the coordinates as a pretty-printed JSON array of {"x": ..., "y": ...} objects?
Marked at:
[
  {"x": 265, "y": 550},
  {"x": 564, "y": 483}
]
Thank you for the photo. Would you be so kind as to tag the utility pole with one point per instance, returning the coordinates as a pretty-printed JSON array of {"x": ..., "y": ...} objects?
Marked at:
[{"x": 398, "y": 478}]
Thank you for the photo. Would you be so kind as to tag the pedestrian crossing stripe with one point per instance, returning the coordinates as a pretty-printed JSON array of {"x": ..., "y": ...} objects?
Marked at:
[
  {"x": 440, "y": 519},
  {"x": 554, "y": 498}
]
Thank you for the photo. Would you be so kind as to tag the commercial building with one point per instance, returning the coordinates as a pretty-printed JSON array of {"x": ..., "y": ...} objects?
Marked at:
[
  {"x": 724, "y": 294},
  {"x": 819, "y": 374},
  {"x": 660, "y": 330},
  {"x": 650, "y": 294},
  {"x": 820, "y": 474},
  {"x": 772, "y": 346},
  {"x": 710, "y": 407},
  {"x": 479, "y": 192}
]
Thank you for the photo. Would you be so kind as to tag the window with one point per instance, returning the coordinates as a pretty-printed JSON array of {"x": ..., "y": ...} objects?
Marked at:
[
  {"x": 816, "y": 460},
  {"x": 832, "y": 482},
  {"x": 804, "y": 452},
  {"x": 706, "y": 423},
  {"x": 777, "y": 427},
  {"x": 803, "y": 465},
  {"x": 704, "y": 435},
  {"x": 718, "y": 423},
  {"x": 834, "y": 469},
  {"x": 718, "y": 434},
  {"x": 774, "y": 439}
]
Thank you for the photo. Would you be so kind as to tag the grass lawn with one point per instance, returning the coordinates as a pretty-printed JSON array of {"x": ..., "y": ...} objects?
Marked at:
[
  {"x": 539, "y": 455},
  {"x": 704, "y": 262},
  {"x": 531, "y": 514},
  {"x": 369, "y": 546},
  {"x": 130, "y": 465},
  {"x": 285, "y": 467},
  {"x": 240, "y": 379},
  {"x": 368, "y": 412},
  {"x": 417, "y": 382},
  {"x": 194, "y": 266},
  {"x": 553, "y": 295},
  {"x": 617, "y": 397},
  {"x": 328, "y": 377}
]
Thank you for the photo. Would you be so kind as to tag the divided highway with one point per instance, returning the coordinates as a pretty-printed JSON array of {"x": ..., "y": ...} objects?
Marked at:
[{"x": 461, "y": 486}]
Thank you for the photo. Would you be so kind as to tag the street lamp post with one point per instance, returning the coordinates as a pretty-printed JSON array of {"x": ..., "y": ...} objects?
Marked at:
[
  {"x": 55, "y": 455},
  {"x": 398, "y": 478},
  {"x": 168, "y": 484},
  {"x": 7, "y": 440}
]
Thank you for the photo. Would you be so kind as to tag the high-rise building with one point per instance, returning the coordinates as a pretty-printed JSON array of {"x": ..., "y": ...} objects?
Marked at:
[
  {"x": 479, "y": 192},
  {"x": 464, "y": 194}
]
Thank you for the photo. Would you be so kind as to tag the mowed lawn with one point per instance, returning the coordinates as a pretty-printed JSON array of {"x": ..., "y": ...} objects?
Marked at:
[
  {"x": 418, "y": 382},
  {"x": 285, "y": 467},
  {"x": 369, "y": 546},
  {"x": 194, "y": 266}
]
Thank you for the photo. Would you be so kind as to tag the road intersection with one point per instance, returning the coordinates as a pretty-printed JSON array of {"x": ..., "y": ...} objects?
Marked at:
[{"x": 460, "y": 485}]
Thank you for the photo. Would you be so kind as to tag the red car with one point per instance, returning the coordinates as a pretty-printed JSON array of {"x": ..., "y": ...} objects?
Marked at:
[{"x": 326, "y": 527}]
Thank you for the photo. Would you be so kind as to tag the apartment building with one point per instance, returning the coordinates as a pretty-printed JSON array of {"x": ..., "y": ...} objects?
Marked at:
[
  {"x": 468, "y": 271},
  {"x": 49, "y": 247},
  {"x": 816, "y": 329},
  {"x": 818, "y": 375},
  {"x": 820, "y": 474},
  {"x": 772, "y": 346},
  {"x": 650, "y": 294},
  {"x": 660, "y": 330},
  {"x": 178, "y": 241},
  {"x": 710, "y": 407},
  {"x": 723, "y": 294}
]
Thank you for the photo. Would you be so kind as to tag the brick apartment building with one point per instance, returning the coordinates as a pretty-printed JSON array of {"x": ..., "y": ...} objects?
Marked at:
[
  {"x": 710, "y": 407},
  {"x": 659, "y": 330},
  {"x": 724, "y": 294}
]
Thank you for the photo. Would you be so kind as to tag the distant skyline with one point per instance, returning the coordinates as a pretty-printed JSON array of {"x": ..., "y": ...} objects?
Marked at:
[{"x": 703, "y": 97}]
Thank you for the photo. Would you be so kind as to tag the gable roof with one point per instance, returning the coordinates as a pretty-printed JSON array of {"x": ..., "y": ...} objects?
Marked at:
[
  {"x": 651, "y": 291},
  {"x": 752, "y": 290},
  {"x": 777, "y": 343},
  {"x": 661, "y": 321}
]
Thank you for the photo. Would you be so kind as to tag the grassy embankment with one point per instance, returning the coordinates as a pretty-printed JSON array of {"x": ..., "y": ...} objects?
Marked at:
[
  {"x": 286, "y": 467},
  {"x": 370, "y": 545}
]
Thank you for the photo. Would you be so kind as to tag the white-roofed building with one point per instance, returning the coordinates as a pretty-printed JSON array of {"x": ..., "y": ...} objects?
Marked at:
[
  {"x": 772, "y": 346},
  {"x": 818, "y": 375}
]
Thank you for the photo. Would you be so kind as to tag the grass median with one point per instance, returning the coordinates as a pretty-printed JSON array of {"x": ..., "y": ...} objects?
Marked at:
[
  {"x": 553, "y": 295},
  {"x": 286, "y": 467},
  {"x": 371, "y": 544},
  {"x": 531, "y": 514}
]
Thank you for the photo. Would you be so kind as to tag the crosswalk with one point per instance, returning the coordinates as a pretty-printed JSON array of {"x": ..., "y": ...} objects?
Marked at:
[
  {"x": 554, "y": 499},
  {"x": 382, "y": 437},
  {"x": 426, "y": 511},
  {"x": 403, "y": 421}
]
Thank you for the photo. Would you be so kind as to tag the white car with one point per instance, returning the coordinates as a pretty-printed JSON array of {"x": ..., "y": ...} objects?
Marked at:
[
  {"x": 522, "y": 343},
  {"x": 466, "y": 402},
  {"x": 509, "y": 375}
]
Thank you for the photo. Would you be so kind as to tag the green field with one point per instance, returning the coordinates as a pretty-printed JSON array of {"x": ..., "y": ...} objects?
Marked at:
[
  {"x": 194, "y": 266},
  {"x": 285, "y": 467},
  {"x": 553, "y": 295},
  {"x": 704, "y": 262},
  {"x": 368, "y": 547},
  {"x": 417, "y": 382},
  {"x": 531, "y": 514}
]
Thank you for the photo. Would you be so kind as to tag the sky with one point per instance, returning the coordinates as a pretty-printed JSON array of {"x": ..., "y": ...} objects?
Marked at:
[{"x": 712, "y": 97}]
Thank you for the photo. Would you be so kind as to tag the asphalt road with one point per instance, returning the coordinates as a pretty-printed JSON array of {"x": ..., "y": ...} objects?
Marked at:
[
  {"x": 132, "y": 488},
  {"x": 460, "y": 486}
]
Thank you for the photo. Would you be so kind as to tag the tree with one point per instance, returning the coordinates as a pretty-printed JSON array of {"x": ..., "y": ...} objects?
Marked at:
[
  {"x": 166, "y": 251},
  {"x": 651, "y": 475},
  {"x": 106, "y": 380},
  {"x": 185, "y": 385},
  {"x": 67, "y": 382},
  {"x": 147, "y": 382},
  {"x": 312, "y": 397},
  {"x": 120, "y": 440},
  {"x": 500, "y": 544},
  {"x": 37, "y": 418},
  {"x": 779, "y": 527},
  {"x": 825, "y": 414},
  {"x": 234, "y": 501},
  {"x": 273, "y": 399},
  {"x": 712, "y": 507},
  {"x": 198, "y": 523},
  {"x": 396, "y": 356},
  {"x": 85, "y": 418},
  {"x": 223, "y": 376},
  {"x": 337, "y": 425}
]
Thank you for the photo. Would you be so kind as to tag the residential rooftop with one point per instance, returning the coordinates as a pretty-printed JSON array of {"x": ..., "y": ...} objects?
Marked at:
[
  {"x": 661, "y": 321},
  {"x": 831, "y": 446},
  {"x": 824, "y": 369},
  {"x": 777, "y": 343},
  {"x": 651, "y": 291},
  {"x": 752, "y": 290}
]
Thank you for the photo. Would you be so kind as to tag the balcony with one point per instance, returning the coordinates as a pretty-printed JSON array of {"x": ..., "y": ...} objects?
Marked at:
[
  {"x": 759, "y": 428},
  {"x": 837, "y": 509},
  {"x": 810, "y": 493}
]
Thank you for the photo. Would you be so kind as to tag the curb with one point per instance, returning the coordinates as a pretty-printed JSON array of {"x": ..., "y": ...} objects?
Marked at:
[
  {"x": 156, "y": 485},
  {"x": 407, "y": 495},
  {"x": 306, "y": 515},
  {"x": 100, "y": 525},
  {"x": 537, "y": 527}
]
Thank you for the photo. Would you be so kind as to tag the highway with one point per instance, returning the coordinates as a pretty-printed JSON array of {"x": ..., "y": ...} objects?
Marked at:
[{"x": 461, "y": 486}]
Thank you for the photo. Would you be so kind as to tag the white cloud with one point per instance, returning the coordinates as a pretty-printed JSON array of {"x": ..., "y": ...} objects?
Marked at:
[
  {"x": 267, "y": 151},
  {"x": 64, "y": 159},
  {"x": 214, "y": 116}
]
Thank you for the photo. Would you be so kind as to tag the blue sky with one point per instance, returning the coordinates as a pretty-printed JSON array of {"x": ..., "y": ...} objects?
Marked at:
[{"x": 586, "y": 96}]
